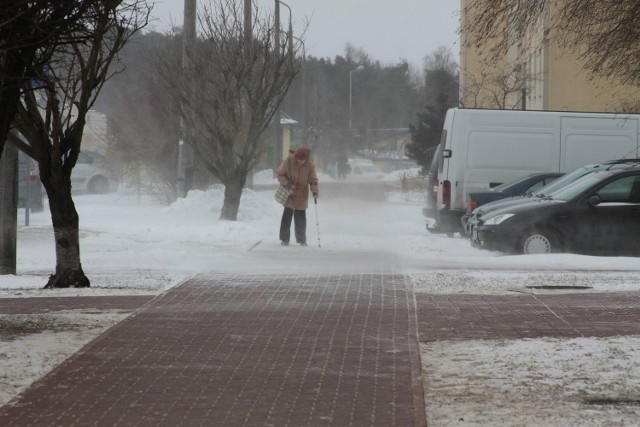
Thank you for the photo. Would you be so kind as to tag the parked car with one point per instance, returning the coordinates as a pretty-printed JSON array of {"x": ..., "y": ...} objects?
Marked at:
[
  {"x": 400, "y": 165},
  {"x": 547, "y": 190},
  {"x": 363, "y": 169},
  {"x": 520, "y": 187},
  {"x": 91, "y": 175},
  {"x": 596, "y": 214},
  {"x": 29, "y": 178}
]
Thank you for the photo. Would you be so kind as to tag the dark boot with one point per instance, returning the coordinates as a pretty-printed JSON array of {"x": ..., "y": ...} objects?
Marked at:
[
  {"x": 300, "y": 224},
  {"x": 285, "y": 226}
]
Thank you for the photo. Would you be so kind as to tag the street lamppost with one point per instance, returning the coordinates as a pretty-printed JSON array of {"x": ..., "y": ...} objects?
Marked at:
[
  {"x": 360, "y": 67},
  {"x": 188, "y": 42},
  {"x": 277, "y": 24}
]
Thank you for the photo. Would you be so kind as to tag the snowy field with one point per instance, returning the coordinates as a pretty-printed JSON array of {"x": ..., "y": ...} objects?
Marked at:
[{"x": 137, "y": 246}]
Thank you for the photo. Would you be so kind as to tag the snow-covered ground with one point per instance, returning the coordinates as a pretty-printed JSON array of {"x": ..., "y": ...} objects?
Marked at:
[{"x": 137, "y": 246}]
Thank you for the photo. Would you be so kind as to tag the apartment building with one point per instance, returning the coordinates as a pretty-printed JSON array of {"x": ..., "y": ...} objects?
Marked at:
[{"x": 535, "y": 74}]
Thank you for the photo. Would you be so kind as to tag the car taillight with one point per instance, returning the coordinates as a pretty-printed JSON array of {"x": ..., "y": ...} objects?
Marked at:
[
  {"x": 33, "y": 173},
  {"x": 446, "y": 193},
  {"x": 472, "y": 205},
  {"x": 434, "y": 190}
]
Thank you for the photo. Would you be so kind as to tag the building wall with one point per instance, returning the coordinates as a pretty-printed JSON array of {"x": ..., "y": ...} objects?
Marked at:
[
  {"x": 572, "y": 89},
  {"x": 476, "y": 72},
  {"x": 556, "y": 79}
]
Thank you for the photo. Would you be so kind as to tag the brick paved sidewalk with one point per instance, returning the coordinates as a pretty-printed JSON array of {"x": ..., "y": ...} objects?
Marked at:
[
  {"x": 41, "y": 305},
  {"x": 469, "y": 317},
  {"x": 245, "y": 350}
]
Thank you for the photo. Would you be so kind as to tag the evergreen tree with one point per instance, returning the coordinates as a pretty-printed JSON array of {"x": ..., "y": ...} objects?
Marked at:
[
  {"x": 426, "y": 134},
  {"x": 440, "y": 94}
]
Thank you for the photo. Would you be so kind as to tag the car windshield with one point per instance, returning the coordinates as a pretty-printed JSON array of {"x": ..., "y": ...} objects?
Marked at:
[
  {"x": 561, "y": 182},
  {"x": 566, "y": 179},
  {"x": 370, "y": 169},
  {"x": 506, "y": 185},
  {"x": 570, "y": 191}
]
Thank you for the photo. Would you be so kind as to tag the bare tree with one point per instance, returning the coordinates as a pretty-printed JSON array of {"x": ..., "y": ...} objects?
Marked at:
[
  {"x": 52, "y": 117},
  {"x": 233, "y": 92},
  {"x": 441, "y": 59},
  {"x": 603, "y": 34},
  {"x": 440, "y": 76},
  {"x": 30, "y": 31},
  {"x": 472, "y": 91},
  {"x": 495, "y": 88}
]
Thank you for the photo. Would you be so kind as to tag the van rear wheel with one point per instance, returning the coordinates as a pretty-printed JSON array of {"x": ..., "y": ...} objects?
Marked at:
[{"x": 98, "y": 185}]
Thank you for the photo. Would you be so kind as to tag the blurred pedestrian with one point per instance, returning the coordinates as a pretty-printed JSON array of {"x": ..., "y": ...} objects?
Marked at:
[
  {"x": 343, "y": 166},
  {"x": 303, "y": 178}
]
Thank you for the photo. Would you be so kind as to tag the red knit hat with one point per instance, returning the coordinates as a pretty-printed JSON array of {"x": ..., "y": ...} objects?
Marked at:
[{"x": 302, "y": 153}]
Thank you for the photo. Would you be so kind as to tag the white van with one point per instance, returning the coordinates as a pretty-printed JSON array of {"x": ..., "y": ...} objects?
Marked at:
[
  {"x": 92, "y": 175},
  {"x": 484, "y": 148}
]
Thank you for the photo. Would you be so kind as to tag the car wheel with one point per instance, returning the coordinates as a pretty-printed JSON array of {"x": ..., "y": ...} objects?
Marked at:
[
  {"x": 98, "y": 185},
  {"x": 539, "y": 241}
]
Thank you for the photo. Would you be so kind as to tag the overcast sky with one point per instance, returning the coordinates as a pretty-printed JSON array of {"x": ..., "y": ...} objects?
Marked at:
[{"x": 388, "y": 30}]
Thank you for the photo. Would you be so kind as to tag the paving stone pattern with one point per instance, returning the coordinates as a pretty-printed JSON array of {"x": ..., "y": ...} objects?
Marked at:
[
  {"x": 466, "y": 317},
  {"x": 245, "y": 350}
]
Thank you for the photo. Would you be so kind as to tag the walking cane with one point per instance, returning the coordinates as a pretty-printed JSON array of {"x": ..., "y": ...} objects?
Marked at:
[{"x": 315, "y": 201}]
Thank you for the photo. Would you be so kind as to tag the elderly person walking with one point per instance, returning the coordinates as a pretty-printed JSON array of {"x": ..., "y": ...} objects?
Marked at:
[{"x": 302, "y": 178}]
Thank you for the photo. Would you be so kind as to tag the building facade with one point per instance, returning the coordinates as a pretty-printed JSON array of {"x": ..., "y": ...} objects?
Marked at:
[{"x": 535, "y": 74}]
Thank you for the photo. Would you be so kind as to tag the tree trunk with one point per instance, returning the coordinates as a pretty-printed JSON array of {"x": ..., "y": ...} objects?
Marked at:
[
  {"x": 65, "y": 220},
  {"x": 232, "y": 194}
]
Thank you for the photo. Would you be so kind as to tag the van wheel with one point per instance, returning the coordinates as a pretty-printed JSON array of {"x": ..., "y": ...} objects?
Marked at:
[
  {"x": 98, "y": 185},
  {"x": 539, "y": 241}
]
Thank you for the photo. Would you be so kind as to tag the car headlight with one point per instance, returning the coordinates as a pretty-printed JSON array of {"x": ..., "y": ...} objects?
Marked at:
[{"x": 498, "y": 219}]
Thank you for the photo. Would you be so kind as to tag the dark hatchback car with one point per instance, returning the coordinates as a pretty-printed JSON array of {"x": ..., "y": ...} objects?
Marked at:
[
  {"x": 520, "y": 187},
  {"x": 596, "y": 214},
  {"x": 547, "y": 190}
]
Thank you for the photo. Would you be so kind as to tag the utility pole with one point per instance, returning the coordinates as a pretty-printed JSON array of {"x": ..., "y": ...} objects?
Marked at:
[
  {"x": 185, "y": 158},
  {"x": 248, "y": 39},
  {"x": 276, "y": 32},
  {"x": 248, "y": 22},
  {"x": 8, "y": 208}
]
